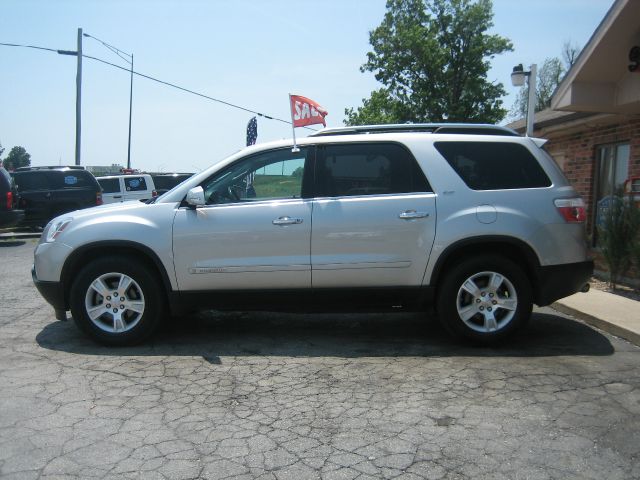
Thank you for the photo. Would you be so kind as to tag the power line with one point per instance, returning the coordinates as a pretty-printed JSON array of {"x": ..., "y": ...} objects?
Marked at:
[
  {"x": 169, "y": 84},
  {"x": 29, "y": 46},
  {"x": 192, "y": 91}
]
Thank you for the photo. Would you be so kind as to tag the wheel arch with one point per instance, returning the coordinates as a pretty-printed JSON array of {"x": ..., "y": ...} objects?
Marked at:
[
  {"x": 512, "y": 248},
  {"x": 84, "y": 254}
]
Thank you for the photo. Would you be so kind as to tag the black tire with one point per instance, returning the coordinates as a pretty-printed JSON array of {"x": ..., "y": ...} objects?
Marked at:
[
  {"x": 139, "y": 307},
  {"x": 493, "y": 312}
]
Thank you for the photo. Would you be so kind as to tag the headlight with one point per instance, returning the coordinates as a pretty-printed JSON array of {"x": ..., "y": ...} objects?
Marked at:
[{"x": 55, "y": 228}]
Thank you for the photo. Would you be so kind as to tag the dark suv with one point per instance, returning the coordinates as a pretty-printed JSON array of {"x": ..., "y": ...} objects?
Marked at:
[
  {"x": 166, "y": 181},
  {"x": 46, "y": 192},
  {"x": 9, "y": 215}
]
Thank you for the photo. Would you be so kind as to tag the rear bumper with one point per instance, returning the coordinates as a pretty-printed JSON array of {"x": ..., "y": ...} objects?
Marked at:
[
  {"x": 559, "y": 281},
  {"x": 9, "y": 218},
  {"x": 52, "y": 292}
]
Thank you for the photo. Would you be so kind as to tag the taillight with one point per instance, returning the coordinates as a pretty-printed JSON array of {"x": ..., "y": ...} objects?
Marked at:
[
  {"x": 98, "y": 198},
  {"x": 154, "y": 194},
  {"x": 571, "y": 209},
  {"x": 9, "y": 200}
]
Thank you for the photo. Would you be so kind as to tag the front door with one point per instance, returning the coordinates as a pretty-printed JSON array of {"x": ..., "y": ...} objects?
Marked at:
[{"x": 254, "y": 232}]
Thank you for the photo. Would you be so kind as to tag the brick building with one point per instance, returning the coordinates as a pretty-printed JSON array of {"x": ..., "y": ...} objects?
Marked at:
[{"x": 593, "y": 125}]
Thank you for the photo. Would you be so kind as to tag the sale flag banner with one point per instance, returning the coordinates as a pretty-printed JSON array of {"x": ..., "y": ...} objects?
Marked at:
[{"x": 305, "y": 111}]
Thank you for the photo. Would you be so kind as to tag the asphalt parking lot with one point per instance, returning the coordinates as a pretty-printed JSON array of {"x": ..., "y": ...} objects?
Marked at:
[{"x": 263, "y": 395}]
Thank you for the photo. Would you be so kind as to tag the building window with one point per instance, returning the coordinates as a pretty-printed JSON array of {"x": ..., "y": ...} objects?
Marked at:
[{"x": 612, "y": 170}]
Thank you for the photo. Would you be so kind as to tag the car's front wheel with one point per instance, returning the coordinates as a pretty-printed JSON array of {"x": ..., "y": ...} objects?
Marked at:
[
  {"x": 485, "y": 299},
  {"x": 117, "y": 301}
]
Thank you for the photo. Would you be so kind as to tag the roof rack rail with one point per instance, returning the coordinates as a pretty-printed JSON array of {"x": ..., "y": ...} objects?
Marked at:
[
  {"x": 449, "y": 128},
  {"x": 50, "y": 167}
]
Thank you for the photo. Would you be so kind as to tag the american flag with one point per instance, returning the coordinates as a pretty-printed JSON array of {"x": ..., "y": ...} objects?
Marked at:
[{"x": 252, "y": 131}]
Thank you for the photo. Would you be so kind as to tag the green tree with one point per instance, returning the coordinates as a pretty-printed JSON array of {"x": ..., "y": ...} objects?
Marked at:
[
  {"x": 432, "y": 58},
  {"x": 18, "y": 157}
]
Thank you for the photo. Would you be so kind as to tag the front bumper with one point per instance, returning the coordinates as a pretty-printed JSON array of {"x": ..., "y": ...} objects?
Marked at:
[
  {"x": 53, "y": 293},
  {"x": 559, "y": 281}
]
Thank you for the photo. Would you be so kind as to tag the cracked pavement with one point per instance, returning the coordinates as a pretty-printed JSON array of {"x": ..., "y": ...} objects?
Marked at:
[{"x": 273, "y": 396}]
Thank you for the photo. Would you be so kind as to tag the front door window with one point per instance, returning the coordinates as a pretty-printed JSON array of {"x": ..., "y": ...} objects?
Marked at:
[{"x": 275, "y": 175}]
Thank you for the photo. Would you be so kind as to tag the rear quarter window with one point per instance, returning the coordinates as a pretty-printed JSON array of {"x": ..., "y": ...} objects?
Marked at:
[
  {"x": 135, "y": 184},
  {"x": 30, "y": 181},
  {"x": 494, "y": 165},
  {"x": 73, "y": 179},
  {"x": 5, "y": 179}
]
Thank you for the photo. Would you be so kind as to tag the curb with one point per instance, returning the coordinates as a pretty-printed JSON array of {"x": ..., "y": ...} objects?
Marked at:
[{"x": 608, "y": 327}]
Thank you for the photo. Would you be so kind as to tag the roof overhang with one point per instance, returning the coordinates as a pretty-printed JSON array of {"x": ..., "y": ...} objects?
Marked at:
[{"x": 600, "y": 80}]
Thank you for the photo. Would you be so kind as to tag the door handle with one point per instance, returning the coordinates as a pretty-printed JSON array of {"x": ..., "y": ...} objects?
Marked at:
[
  {"x": 287, "y": 221},
  {"x": 117, "y": 196},
  {"x": 412, "y": 215}
]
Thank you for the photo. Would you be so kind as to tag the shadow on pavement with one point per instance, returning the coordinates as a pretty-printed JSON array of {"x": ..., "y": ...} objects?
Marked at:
[
  {"x": 11, "y": 243},
  {"x": 218, "y": 334}
]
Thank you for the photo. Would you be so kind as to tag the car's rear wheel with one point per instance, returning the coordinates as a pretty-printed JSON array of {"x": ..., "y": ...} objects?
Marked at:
[
  {"x": 485, "y": 299},
  {"x": 117, "y": 301}
]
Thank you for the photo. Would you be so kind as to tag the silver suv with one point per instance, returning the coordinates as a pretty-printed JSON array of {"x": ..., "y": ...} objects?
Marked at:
[{"x": 470, "y": 219}]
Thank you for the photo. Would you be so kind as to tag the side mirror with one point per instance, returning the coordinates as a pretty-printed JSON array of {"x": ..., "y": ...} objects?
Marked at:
[{"x": 195, "y": 197}]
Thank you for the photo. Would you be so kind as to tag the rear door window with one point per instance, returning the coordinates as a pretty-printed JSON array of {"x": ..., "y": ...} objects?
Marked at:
[
  {"x": 109, "y": 185},
  {"x": 494, "y": 165},
  {"x": 367, "y": 169}
]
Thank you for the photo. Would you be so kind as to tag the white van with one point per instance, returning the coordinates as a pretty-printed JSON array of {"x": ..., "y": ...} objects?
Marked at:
[{"x": 123, "y": 188}]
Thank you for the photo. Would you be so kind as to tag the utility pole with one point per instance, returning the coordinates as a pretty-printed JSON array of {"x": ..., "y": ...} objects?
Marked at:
[
  {"x": 78, "y": 54},
  {"x": 79, "y": 96}
]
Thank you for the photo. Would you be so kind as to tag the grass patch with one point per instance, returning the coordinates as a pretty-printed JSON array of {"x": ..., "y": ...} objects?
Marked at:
[{"x": 278, "y": 186}]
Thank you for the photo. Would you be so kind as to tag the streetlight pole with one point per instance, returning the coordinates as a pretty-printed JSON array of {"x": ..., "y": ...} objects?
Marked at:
[
  {"x": 517, "y": 80},
  {"x": 130, "y": 110},
  {"x": 119, "y": 52},
  {"x": 531, "y": 102}
]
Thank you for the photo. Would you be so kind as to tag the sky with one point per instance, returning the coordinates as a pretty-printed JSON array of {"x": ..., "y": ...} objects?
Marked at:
[{"x": 249, "y": 53}]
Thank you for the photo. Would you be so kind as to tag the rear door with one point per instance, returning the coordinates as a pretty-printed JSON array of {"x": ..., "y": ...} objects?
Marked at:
[
  {"x": 35, "y": 196},
  {"x": 374, "y": 217},
  {"x": 111, "y": 189}
]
